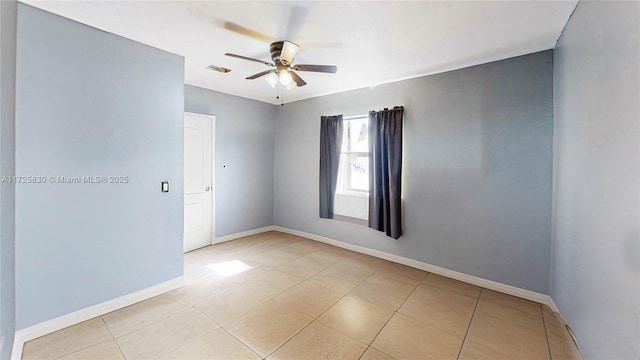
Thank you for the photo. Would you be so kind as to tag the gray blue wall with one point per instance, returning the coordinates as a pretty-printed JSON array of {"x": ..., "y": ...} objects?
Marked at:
[
  {"x": 477, "y": 169},
  {"x": 595, "y": 268},
  {"x": 8, "y": 16},
  {"x": 92, "y": 103},
  {"x": 244, "y": 158}
]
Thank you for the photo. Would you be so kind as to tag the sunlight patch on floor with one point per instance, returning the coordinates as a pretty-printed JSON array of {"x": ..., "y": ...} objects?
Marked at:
[{"x": 229, "y": 268}]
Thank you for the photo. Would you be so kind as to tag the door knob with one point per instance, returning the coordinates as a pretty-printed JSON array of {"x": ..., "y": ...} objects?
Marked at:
[{"x": 207, "y": 188}]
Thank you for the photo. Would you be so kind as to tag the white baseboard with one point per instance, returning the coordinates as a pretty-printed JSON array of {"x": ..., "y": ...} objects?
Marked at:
[
  {"x": 553, "y": 307},
  {"x": 49, "y": 326},
  {"x": 242, "y": 234},
  {"x": 470, "y": 279}
]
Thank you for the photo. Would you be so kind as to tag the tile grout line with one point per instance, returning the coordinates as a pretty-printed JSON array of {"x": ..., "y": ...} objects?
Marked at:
[
  {"x": 113, "y": 337},
  {"x": 275, "y": 267},
  {"x": 208, "y": 317},
  {"x": 365, "y": 350},
  {"x": 194, "y": 340},
  {"x": 314, "y": 274},
  {"x": 322, "y": 313},
  {"x": 470, "y": 322},
  {"x": 162, "y": 318},
  {"x": 392, "y": 315},
  {"x": 257, "y": 245},
  {"x": 239, "y": 316},
  {"x": 273, "y": 299},
  {"x": 156, "y": 322},
  {"x": 546, "y": 335},
  {"x": 79, "y": 350},
  {"x": 223, "y": 327},
  {"x": 185, "y": 344},
  {"x": 242, "y": 342},
  {"x": 89, "y": 346},
  {"x": 213, "y": 245}
]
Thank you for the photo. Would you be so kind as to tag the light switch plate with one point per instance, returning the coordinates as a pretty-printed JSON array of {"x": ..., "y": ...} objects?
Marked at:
[{"x": 165, "y": 186}]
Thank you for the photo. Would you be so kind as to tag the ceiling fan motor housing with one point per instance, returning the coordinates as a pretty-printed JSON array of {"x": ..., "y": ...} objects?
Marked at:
[
  {"x": 283, "y": 52},
  {"x": 276, "y": 50}
]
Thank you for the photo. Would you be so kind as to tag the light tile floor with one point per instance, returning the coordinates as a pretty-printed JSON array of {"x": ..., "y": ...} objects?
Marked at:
[{"x": 278, "y": 296}]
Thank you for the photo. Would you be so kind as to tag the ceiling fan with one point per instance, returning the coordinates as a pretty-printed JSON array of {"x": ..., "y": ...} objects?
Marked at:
[{"x": 283, "y": 53}]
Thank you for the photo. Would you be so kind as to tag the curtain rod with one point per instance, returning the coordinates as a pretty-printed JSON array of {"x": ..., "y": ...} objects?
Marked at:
[
  {"x": 367, "y": 114},
  {"x": 354, "y": 117}
]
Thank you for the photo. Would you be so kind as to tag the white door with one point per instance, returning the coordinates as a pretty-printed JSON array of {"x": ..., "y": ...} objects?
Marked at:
[{"x": 198, "y": 180}]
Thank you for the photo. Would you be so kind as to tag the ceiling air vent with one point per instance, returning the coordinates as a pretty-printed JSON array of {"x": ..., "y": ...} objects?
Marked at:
[{"x": 218, "y": 69}]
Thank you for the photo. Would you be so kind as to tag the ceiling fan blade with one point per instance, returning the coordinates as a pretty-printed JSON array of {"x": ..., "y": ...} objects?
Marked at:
[
  {"x": 247, "y": 32},
  {"x": 316, "y": 68},
  {"x": 322, "y": 45},
  {"x": 255, "y": 76},
  {"x": 297, "y": 79},
  {"x": 250, "y": 59},
  {"x": 297, "y": 14}
]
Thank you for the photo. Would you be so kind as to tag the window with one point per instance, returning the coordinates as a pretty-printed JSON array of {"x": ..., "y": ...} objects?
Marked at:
[
  {"x": 353, "y": 175},
  {"x": 354, "y": 158}
]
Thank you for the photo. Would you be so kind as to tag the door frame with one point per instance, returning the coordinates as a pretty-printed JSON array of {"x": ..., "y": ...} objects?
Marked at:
[{"x": 213, "y": 170}]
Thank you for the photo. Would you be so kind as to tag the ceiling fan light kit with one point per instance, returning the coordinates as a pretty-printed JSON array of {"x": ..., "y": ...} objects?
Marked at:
[
  {"x": 284, "y": 77},
  {"x": 272, "y": 79}
]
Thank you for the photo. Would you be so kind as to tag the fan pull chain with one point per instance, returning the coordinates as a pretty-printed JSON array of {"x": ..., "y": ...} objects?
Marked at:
[{"x": 278, "y": 94}]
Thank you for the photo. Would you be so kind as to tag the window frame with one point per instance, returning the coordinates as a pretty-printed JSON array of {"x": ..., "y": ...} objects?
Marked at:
[{"x": 345, "y": 187}]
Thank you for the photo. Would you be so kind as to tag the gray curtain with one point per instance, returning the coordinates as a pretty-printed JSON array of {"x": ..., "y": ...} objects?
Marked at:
[
  {"x": 330, "y": 143},
  {"x": 385, "y": 171}
]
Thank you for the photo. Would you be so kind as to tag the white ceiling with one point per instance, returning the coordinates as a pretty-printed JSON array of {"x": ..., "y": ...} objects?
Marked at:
[{"x": 370, "y": 42}]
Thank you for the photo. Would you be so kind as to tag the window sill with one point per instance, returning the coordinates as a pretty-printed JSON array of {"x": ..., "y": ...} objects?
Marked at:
[
  {"x": 360, "y": 194},
  {"x": 355, "y": 206},
  {"x": 350, "y": 219}
]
